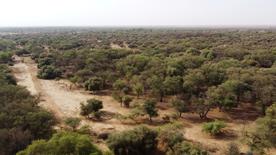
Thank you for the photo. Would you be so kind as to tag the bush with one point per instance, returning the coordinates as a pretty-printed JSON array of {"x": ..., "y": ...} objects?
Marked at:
[
  {"x": 126, "y": 100},
  {"x": 186, "y": 148},
  {"x": 169, "y": 137},
  {"x": 94, "y": 84},
  {"x": 72, "y": 122},
  {"x": 150, "y": 109},
  {"x": 63, "y": 143},
  {"x": 92, "y": 105},
  {"x": 5, "y": 57},
  {"x": 232, "y": 149},
  {"x": 140, "y": 140},
  {"x": 21, "y": 119},
  {"x": 49, "y": 72},
  {"x": 214, "y": 128},
  {"x": 180, "y": 106}
]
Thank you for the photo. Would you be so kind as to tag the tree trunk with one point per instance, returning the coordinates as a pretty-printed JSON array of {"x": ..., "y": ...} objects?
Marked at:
[{"x": 180, "y": 114}]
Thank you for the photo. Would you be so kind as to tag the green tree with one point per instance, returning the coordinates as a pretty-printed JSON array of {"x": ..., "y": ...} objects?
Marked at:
[
  {"x": 173, "y": 85},
  {"x": 180, "y": 106},
  {"x": 264, "y": 90},
  {"x": 150, "y": 109},
  {"x": 194, "y": 83},
  {"x": 126, "y": 100},
  {"x": 169, "y": 137},
  {"x": 263, "y": 137},
  {"x": 63, "y": 143},
  {"x": 73, "y": 122},
  {"x": 186, "y": 148},
  {"x": 94, "y": 84},
  {"x": 121, "y": 86},
  {"x": 202, "y": 106},
  {"x": 49, "y": 72},
  {"x": 218, "y": 96},
  {"x": 138, "y": 89},
  {"x": 237, "y": 87},
  {"x": 140, "y": 140},
  {"x": 157, "y": 87},
  {"x": 92, "y": 106}
]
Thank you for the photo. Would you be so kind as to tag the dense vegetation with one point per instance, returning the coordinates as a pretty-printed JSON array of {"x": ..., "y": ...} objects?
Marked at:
[
  {"x": 195, "y": 70},
  {"x": 205, "y": 68},
  {"x": 21, "y": 120},
  {"x": 63, "y": 144}
]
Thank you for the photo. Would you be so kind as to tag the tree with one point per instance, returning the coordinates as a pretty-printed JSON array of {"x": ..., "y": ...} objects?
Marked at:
[
  {"x": 263, "y": 137},
  {"x": 92, "y": 106},
  {"x": 157, "y": 87},
  {"x": 21, "y": 119},
  {"x": 140, "y": 140},
  {"x": 5, "y": 57},
  {"x": 186, "y": 148},
  {"x": 121, "y": 86},
  {"x": 210, "y": 55},
  {"x": 150, "y": 109},
  {"x": 138, "y": 89},
  {"x": 169, "y": 137},
  {"x": 118, "y": 97},
  {"x": 94, "y": 84},
  {"x": 126, "y": 100},
  {"x": 72, "y": 122},
  {"x": 194, "y": 83},
  {"x": 62, "y": 143},
  {"x": 49, "y": 72},
  {"x": 173, "y": 85},
  {"x": 214, "y": 128},
  {"x": 214, "y": 74},
  {"x": 237, "y": 87},
  {"x": 220, "y": 97},
  {"x": 264, "y": 90},
  {"x": 180, "y": 106},
  {"x": 202, "y": 106},
  {"x": 193, "y": 51}
]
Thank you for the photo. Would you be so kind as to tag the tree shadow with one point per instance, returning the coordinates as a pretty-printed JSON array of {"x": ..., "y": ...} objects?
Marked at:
[
  {"x": 226, "y": 135},
  {"x": 244, "y": 113}
]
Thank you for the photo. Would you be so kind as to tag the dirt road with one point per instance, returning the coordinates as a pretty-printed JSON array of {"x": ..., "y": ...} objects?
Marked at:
[{"x": 57, "y": 96}]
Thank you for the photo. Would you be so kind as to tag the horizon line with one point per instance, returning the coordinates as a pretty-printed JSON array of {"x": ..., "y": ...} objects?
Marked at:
[{"x": 141, "y": 26}]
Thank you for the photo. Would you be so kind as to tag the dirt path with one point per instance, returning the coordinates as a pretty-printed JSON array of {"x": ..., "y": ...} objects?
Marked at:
[{"x": 60, "y": 99}]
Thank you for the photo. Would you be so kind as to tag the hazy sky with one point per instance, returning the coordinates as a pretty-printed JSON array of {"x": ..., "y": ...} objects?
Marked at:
[{"x": 137, "y": 12}]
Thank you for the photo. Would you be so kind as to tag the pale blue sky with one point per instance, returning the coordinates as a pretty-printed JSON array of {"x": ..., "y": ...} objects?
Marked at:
[{"x": 137, "y": 12}]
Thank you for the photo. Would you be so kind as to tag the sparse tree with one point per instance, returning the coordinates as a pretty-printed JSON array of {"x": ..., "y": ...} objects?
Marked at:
[{"x": 150, "y": 109}]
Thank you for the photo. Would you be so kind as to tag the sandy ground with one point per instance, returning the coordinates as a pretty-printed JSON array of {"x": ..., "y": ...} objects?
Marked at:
[{"x": 57, "y": 97}]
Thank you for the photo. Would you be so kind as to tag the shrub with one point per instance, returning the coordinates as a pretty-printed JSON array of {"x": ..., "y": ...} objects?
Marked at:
[
  {"x": 140, "y": 140},
  {"x": 126, "y": 100},
  {"x": 150, "y": 109},
  {"x": 213, "y": 128},
  {"x": 92, "y": 105},
  {"x": 169, "y": 137},
  {"x": 63, "y": 143},
  {"x": 232, "y": 149},
  {"x": 49, "y": 72},
  {"x": 180, "y": 106},
  {"x": 94, "y": 84},
  {"x": 72, "y": 122},
  {"x": 186, "y": 148}
]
